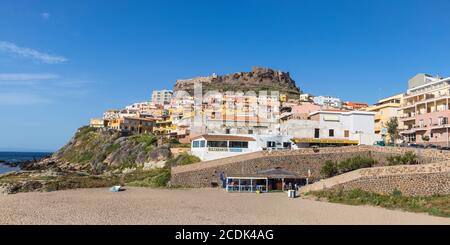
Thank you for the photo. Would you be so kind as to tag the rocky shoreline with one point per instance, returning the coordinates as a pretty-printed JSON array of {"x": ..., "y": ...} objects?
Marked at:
[
  {"x": 21, "y": 164},
  {"x": 95, "y": 158}
]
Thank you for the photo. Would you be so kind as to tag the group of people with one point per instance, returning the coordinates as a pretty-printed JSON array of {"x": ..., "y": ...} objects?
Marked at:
[{"x": 290, "y": 186}]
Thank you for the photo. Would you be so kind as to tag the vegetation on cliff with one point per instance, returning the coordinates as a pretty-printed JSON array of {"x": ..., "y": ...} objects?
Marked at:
[
  {"x": 99, "y": 151},
  {"x": 99, "y": 158},
  {"x": 183, "y": 159}
]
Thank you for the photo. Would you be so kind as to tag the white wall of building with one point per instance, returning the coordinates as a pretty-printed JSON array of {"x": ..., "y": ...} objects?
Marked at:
[
  {"x": 360, "y": 126},
  {"x": 211, "y": 153},
  {"x": 328, "y": 101}
]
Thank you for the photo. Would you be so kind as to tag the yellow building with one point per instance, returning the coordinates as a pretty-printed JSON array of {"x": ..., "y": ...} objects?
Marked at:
[
  {"x": 164, "y": 127},
  {"x": 133, "y": 125},
  {"x": 385, "y": 109}
]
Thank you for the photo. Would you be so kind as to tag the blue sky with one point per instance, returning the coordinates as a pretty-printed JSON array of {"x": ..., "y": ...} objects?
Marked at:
[{"x": 63, "y": 62}]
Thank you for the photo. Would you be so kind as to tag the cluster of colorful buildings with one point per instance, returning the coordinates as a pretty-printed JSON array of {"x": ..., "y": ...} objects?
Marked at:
[{"x": 219, "y": 125}]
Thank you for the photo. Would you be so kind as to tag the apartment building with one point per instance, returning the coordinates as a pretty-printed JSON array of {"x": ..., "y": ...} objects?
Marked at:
[
  {"x": 162, "y": 97},
  {"x": 425, "y": 110},
  {"x": 385, "y": 109}
]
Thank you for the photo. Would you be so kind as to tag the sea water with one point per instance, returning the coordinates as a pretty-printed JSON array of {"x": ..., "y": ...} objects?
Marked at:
[{"x": 18, "y": 157}]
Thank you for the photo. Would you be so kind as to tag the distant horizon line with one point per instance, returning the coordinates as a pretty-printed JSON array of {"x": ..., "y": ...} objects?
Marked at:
[{"x": 24, "y": 150}]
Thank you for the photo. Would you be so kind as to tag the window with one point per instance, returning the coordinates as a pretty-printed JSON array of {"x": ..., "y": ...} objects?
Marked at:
[
  {"x": 346, "y": 133},
  {"x": 202, "y": 143},
  {"x": 227, "y": 131},
  {"x": 195, "y": 144},
  {"x": 270, "y": 144},
  {"x": 217, "y": 144},
  {"x": 238, "y": 144},
  {"x": 250, "y": 131},
  {"x": 316, "y": 133},
  {"x": 331, "y": 132}
]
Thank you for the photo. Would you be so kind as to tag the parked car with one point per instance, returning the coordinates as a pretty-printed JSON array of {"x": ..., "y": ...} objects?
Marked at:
[
  {"x": 445, "y": 148},
  {"x": 433, "y": 146}
]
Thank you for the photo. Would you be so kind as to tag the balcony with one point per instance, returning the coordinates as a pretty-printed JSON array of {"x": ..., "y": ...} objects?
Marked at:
[
  {"x": 428, "y": 98},
  {"x": 407, "y": 117}
]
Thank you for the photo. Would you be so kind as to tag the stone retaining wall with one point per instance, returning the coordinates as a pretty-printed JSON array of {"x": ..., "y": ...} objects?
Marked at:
[
  {"x": 409, "y": 184},
  {"x": 205, "y": 174},
  {"x": 411, "y": 180}
]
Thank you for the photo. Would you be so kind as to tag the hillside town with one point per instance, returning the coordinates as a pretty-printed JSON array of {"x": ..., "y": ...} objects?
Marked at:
[{"x": 219, "y": 125}]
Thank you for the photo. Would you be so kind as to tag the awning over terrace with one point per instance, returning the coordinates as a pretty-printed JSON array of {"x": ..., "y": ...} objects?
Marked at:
[{"x": 264, "y": 181}]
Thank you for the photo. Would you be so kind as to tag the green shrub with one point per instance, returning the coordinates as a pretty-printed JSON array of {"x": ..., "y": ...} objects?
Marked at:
[
  {"x": 84, "y": 131},
  {"x": 397, "y": 193},
  {"x": 174, "y": 141},
  {"x": 85, "y": 157},
  {"x": 329, "y": 169},
  {"x": 409, "y": 158},
  {"x": 149, "y": 140},
  {"x": 434, "y": 205},
  {"x": 355, "y": 163},
  {"x": 183, "y": 159},
  {"x": 112, "y": 148},
  {"x": 153, "y": 178}
]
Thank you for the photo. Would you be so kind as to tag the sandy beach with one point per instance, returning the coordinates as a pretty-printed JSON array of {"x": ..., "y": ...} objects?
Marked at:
[{"x": 189, "y": 206}]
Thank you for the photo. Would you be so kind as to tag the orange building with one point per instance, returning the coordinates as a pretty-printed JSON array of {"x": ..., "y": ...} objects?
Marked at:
[{"x": 354, "y": 105}]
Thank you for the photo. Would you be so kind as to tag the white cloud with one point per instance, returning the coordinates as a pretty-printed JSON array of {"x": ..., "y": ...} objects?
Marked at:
[
  {"x": 31, "y": 53},
  {"x": 13, "y": 98},
  {"x": 9, "y": 77},
  {"x": 45, "y": 15}
]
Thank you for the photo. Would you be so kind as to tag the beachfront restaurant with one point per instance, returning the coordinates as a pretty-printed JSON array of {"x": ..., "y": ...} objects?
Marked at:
[
  {"x": 274, "y": 179},
  {"x": 214, "y": 146}
]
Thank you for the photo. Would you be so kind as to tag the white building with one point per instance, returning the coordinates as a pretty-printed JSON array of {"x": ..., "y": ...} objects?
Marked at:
[
  {"x": 328, "y": 101},
  {"x": 209, "y": 146},
  {"x": 332, "y": 128},
  {"x": 215, "y": 146},
  {"x": 305, "y": 97},
  {"x": 162, "y": 97}
]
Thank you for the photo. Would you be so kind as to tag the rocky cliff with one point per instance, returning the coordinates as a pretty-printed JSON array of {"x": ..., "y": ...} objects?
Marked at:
[
  {"x": 259, "y": 79},
  {"x": 98, "y": 158},
  {"x": 96, "y": 151}
]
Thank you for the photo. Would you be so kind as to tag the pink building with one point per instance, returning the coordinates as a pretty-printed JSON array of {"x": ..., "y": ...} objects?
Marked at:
[
  {"x": 303, "y": 110},
  {"x": 425, "y": 111}
]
